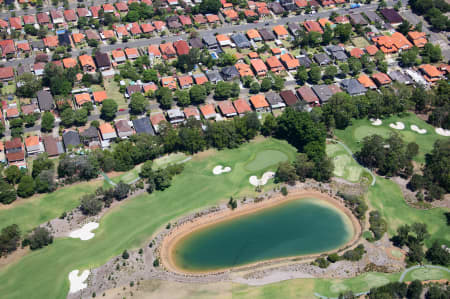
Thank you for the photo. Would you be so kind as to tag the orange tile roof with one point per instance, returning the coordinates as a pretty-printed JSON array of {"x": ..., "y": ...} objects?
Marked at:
[
  {"x": 222, "y": 38},
  {"x": 230, "y": 13},
  {"x": 242, "y": 106},
  {"x": 258, "y": 65},
  {"x": 356, "y": 52},
  {"x": 290, "y": 61},
  {"x": 371, "y": 49},
  {"x": 131, "y": 52},
  {"x": 212, "y": 18},
  {"x": 51, "y": 41},
  {"x": 207, "y": 110},
  {"x": 312, "y": 26},
  {"x": 244, "y": 69},
  {"x": 273, "y": 62},
  {"x": 108, "y": 34},
  {"x": 401, "y": 41},
  {"x": 117, "y": 54},
  {"x": 31, "y": 141},
  {"x": 77, "y": 37},
  {"x": 86, "y": 60},
  {"x": 153, "y": 49},
  {"x": 82, "y": 98},
  {"x": 259, "y": 101},
  {"x": 253, "y": 55},
  {"x": 191, "y": 112},
  {"x": 381, "y": 78},
  {"x": 12, "y": 112},
  {"x": 253, "y": 33},
  {"x": 106, "y": 128},
  {"x": 276, "y": 51},
  {"x": 69, "y": 62},
  {"x": 366, "y": 81},
  {"x": 430, "y": 70},
  {"x": 24, "y": 46},
  {"x": 169, "y": 82},
  {"x": 323, "y": 22},
  {"x": 280, "y": 30},
  {"x": 416, "y": 35},
  {"x": 185, "y": 80},
  {"x": 226, "y": 107},
  {"x": 99, "y": 96},
  {"x": 200, "y": 79}
]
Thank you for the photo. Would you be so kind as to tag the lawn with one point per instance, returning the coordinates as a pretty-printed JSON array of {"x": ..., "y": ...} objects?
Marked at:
[
  {"x": 360, "y": 42},
  {"x": 112, "y": 90},
  {"x": 131, "y": 224},
  {"x": 31, "y": 212},
  {"x": 344, "y": 165},
  {"x": 8, "y": 89},
  {"x": 387, "y": 198},
  {"x": 354, "y": 134}
]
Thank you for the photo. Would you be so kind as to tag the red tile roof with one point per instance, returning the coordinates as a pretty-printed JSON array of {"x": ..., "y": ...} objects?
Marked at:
[{"x": 242, "y": 106}]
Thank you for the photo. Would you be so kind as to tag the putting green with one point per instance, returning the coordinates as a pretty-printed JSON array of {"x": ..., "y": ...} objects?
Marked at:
[
  {"x": 427, "y": 274},
  {"x": 265, "y": 159},
  {"x": 131, "y": 224},
  {"x": 360, "y": 128},
  {"x": 344, "y": 165},
  {"x": 396, "y": 253}
]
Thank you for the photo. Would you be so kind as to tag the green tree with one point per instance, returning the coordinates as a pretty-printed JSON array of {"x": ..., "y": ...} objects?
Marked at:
[
  {"x": 315, "y": 74},
  {"x": 254, "y": 87},
  {"x": 42, "y": 162},
  {"x": 164, "y": 96},
  {"x": 138, "y": 103},
  {"x": 278, "y": 83},
  {"x": 210, "y": 6},
  {"x": 354, "y": 65},
  {"x": 7, "y": 192},
  {"x": 39, "y": 238},
  {"x": 29, "y": 85},
  {"x": 285, "y": 173},
  {"x": 183, "y": 98},
  {"x": 222, "y": 91},
  {"x": 12, "y": 174},
  {"x": 108, "y": 110},
  {"x": 67, "y": 117},
  {"x": 26, "y": 186},
  {"x": 266, "y": 84},
  {"x": 150, "y": 75},
  {"x": 197, "y": 94},
  {"x": 80, "y": 117},
  {"x": 9, "y": 238},
  {"x": 48, "y": 122},
  {"x": 301, "y": 75},
  {"x": 90, "y": 205}
]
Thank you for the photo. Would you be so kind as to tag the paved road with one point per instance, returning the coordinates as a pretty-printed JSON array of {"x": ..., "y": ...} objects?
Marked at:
[{"x": 226, "y": 28}]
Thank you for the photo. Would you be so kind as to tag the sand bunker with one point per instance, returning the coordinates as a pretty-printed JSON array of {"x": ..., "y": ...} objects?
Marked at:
[
  {"x": 85, "y": 233},
  {"x": 77, "y": 281},
  {"x": 219, "y": 169},
  {"x": 418, "y": 130},
  {"x": 265, "y": 177},
  {"x": 398, "y": 125},
  {"x": 376, "y": 122},
  {"x": 442, "y": 132}
]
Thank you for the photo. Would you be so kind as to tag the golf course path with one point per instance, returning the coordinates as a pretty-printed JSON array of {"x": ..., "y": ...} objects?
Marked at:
[
  {"x": 406, "y": 271},
  {"x": 374, "y": 179},
  {"x": 108, "y": 179}
]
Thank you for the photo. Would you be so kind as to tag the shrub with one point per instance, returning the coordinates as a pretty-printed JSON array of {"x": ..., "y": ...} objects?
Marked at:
[
  {"x": 284, "y": 190},
  {"x": 125, "y": 255},
  {"x": 40, "y": 237}
]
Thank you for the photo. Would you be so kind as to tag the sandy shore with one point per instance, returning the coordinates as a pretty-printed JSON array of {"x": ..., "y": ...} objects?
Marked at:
[{"x": 180, "y": 231}]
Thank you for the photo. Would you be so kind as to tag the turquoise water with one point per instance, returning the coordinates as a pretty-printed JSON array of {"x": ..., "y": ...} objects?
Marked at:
[{"x": 298, "y": 227}]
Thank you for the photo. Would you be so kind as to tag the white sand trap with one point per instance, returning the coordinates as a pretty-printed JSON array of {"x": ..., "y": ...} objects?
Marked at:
[
  {"x": 265, "y": 177},
  {"x": 442, "y": 132},
  {"x": 398, "y": 125},
  {"x": 376, "y": 122},
  {"x": 77, "y": 281},
  {"x": 219, "y": 169},
  {"x": 85, "y": 233},
  {"x": 418, "y": 130}
]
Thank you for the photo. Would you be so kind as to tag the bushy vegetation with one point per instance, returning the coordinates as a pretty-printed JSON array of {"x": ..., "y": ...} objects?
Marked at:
[
  {"x": 9, "y": 239},
  {"x": 355, "y": 203},
  {"x": 39, "y": 238},
  {"x": 378, "y": 225}
]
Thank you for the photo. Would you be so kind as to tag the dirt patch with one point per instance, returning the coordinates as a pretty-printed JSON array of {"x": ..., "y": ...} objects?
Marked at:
[
  {"x": 179, "y": 231},
  {"x": 14, "y": 256}
]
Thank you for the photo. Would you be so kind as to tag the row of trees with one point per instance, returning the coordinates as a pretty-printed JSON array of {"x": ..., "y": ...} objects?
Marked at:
[{"x": 92, "y": 204}]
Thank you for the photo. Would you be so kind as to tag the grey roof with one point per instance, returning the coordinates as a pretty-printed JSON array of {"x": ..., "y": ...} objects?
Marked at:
[
  {"x": 274, "y": 98},
  {"x": 45, "y": 100},
  {"x": 266, "y": 34},
  {"x": 71, "y": 138},
  {"x": 322, "y": 58},
  {"x": 323, "y": 92},
  {"x": 294, "y": 27},
  {"x": 337, "y": 52},
  {"x": 400, "y": 77},
  {"x": 143, "y": 125},
  {"x": 353, "y": 87},
  {"x": 38, "y": 44},
  {"x": 276, "y": 8},
  {"x": 213, "y": 76},
  {"x": 288, "y": 4},
  {"x": 91, "y": 132},
  {"x": 210, "y": 40},
  {"x": 240, "y": 40},
  {"x": 373, "y": 17},
  {"x": 122, "y": 126},
  {"x": 305, "y": 61},
  {"x": 358, "y": 19},
  {"x": 22, "y": 69},
  {"x": 229, "y": 72},
  {"x": 196, "y": 42}
]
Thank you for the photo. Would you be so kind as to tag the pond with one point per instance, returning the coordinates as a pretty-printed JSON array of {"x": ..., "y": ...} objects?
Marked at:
[{"x": 297, "y": 227}]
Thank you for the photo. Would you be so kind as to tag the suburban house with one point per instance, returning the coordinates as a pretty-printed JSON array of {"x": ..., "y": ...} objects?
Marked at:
[
  {"x": 14, "y": 152},
  {"x": 275, "y": 101},
  {"x": 102, "y": 61},
  {"x": 430, "y": 73},
  {"x": 367, "y": 82},
  {"x": 392, "y": 16},
  {"x": 213, "y": 76},
  {"x": 245, "y": 70},
  {"x": 418, "y": 38},
  {"x": 274, "y": 64},
  {"x": 242, "y": 107},
  {"x": 211, "y": 42},
  {"x": 45, "y": 100},
  {"x": 266, "y": 35},
  {"x": 143, "y": 126},
  {"x": 132, "y": 89},
  {"x": 208, "y": 111},
  {"x": 289, "y": 97},
  {"x": 33, "y": 145},
  {"x": 223, "y": 40},
  {"x": 6, "y": 74},
  {"x": 87, "y": 63},
  {"x": 240, "y": 40},
  {"x": 99, "y": 96},
  {"x": 168, "y": 50},
  {"x": 259, "y": 67},
  {"x": 175, "y": 116},
  {"x": 181, "y": 47},
  {"x": 53, "y": 146},
  {"x": 323, "y": 92},
  {"x": 254, "y": 35},
  {"x": 229, "y": 73},
  {"x": 322, "y": 59},
  {"x": 381, "y": 79},
  {"x": 400, "y": 77},
  {"x": 169, "y": 82},
  {"x": 307, "y": 94},
  {"x": 191, "y": 112},
  {"x": 107, "y": 133},
  {"x": 131, "y": 53},
  {"x": 71, "y": 139},
  {"x": 123, "y": 128},
  {"x": 312, "y": 26},
  {"x": 353, "y": 87},
  {"x": 281, "y": 32},
  {"x": 337, "y": 52},
  {"x": 227, "y": 109},
  {"x": 196, "y": 42},
  {"x": 156, "y": 119},
  {"x": 185, "y": 81},
  {"x": 118, "y": 56},
  {"x": 289, "y": 61},
  {"x": 259, "y": 103},
  {"x": 90, "y": 138}
]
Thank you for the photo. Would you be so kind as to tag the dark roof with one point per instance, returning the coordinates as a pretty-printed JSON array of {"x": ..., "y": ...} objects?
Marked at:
[
  {"x": 372, "y": 16},
  {"x": 71, "y": 138},
  {"x": 273, "y": 98},
  {"x": 13, "y": 143},
  {"x": 196, "y": 42},
  {"x": 400, "y": 77},
  {"x": 307, "y": 94},
  {"x": 22, "y": 69},
  {"x": 229, "y": 72},
  {"x": 240, "y": 40},
  {"x": 276, "y": 8},
  {"x": 391, "y": 15},
  {"x": 45, "y": 100},
  {"x": 266, "y": 34},
  {"x": 213, "y": 76},
  {"x": 102, "y": 59},
  {"x": 210, "y": 40},
  {"x": 91, "y": 132},
  {"x": 143, "y": 125},
  {"x": 134, "y": 88},
  {"x": 53, "y": 146},
  {"x": 322, "y": 58},
  {"x": 337, "y": 52},
  {"x": 305, "y": 61},
  {"x": 323, "y": 92},
  {"x": 358, "y": 19},
  {"x": 289, "y": 97},
  {"x": 38, "y": 44},
  {"x": 122, "y": 126},
  {"x": 64, "y": 39},
  {"x": 353, "y": 87},
  {"x": 294, "y": 27}
]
